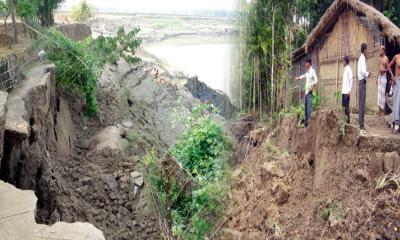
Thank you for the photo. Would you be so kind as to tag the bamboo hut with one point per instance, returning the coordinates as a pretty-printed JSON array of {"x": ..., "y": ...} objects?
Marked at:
[{"x": 340, "y": 32}]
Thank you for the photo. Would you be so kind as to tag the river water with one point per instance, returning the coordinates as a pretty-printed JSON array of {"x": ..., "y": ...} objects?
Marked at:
[{"x": 210, "y": 62}]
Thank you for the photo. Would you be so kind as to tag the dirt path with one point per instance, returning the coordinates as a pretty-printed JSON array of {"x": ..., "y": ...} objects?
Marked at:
[{"x": 378, "y": 126}]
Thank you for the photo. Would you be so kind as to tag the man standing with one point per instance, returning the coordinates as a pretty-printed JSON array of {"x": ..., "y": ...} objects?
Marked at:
[
  {"x": 363, "y": 75},
  {"x": 346, "y": 87},
  {"x": 311, "y": 81},
  {"x": 396, "y": 92},
  {"x": 382, "y": 80}
]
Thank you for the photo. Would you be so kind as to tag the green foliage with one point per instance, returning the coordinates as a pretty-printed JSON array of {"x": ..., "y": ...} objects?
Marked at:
[
  {"x": 200, "y": 153},
  {"x": 267, "y": 38},
  {"x": 316, "y": 100},
  {"x": 199, "y": 148},
  {"x": 328, "y": 211},
  {"x": 27, "y": 9},
  {"x": 82, "y": 12},
  {"x": 77, "y": 68},
  {"x": 111, "y": 49},
  {"x": 79, "y": 64}
]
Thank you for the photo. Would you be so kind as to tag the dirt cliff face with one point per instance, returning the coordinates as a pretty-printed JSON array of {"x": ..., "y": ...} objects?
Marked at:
[
  {"x": 219, "y": 99},
  {"x": 314, "y": 183},
  {"x": 38, "y": 135},
  {"x": 87, "y": 169},
  {"x": 75, "y": 31}
]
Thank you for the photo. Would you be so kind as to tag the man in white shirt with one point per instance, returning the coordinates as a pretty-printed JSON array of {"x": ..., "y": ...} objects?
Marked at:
[
  {"x": 363, "y": 75},
  {"x": 346, "y": 87},
  {"x": 311, "y": 81}
]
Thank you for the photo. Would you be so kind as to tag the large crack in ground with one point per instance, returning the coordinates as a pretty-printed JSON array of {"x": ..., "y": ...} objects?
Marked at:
[{"x": 61, "y": 155}]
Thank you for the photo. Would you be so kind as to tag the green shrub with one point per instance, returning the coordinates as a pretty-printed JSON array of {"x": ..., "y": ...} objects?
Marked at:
[
  {"x": 76, "y": 67},
  {"x": 199, "y": 149},
  {"x": 79, "y": 64},
  {"x": 199, "y": 187}
]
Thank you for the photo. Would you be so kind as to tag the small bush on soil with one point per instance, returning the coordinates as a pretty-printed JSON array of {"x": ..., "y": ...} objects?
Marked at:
[
  {"x": 79, "y": 64},
  {"x": 297, "y": 110},
  {"x": 197, "y": 180},
  {"x": 327, "y": 212}
]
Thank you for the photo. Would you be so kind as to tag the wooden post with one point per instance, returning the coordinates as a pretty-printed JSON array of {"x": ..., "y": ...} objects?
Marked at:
[
  {"x": 166, "y": 163},
  {"x": 356, "y": 81},
  {"x": 337, "y": 80}
]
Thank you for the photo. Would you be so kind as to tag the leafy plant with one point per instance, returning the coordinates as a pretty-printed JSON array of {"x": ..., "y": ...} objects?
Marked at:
[
  {"x": 337, "y": 95},
  {"x": 111, "y": 49},
  {"x": 79, "y": 64},
  {"x": 327, "y": 212},
  {"x": 27, "y": 9},
  {"x": 199, "y": 148},
  {"x": 198, "y": 186}
]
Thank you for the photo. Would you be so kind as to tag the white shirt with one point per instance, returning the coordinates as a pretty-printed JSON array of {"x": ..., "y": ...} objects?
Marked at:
[
  {"x": 362, "y": 68},
  {"x": 347, "y": 80},
  {"x": 311, "y": 79}
]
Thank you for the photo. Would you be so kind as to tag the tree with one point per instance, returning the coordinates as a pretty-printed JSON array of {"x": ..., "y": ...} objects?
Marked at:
[
  {"x": 4, "y": 12},
  {"x": 46, "y": 11},
  {"x": 82, "y": 12},
  {"x": 27, "y": 9},
  {"x": 265, "y": 51}
]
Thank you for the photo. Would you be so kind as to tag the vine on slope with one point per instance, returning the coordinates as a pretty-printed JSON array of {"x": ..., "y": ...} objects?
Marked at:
[
  {"x": 190, "y": 197},
  {"x": 79, "y": 64}
]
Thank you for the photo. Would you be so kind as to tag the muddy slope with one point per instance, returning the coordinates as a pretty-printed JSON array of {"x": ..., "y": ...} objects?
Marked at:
[
  {"x": 85, "y": 169},
  {"x": 314, "y": 183}
]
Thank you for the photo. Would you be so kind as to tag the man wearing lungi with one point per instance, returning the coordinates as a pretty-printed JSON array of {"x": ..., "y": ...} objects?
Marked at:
[
  {"x": 382, "y": 80},
  {"x": 396, "y": 93}
]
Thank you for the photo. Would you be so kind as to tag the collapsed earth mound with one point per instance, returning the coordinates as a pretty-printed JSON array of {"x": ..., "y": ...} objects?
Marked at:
[{"x": 320, "y": 182}]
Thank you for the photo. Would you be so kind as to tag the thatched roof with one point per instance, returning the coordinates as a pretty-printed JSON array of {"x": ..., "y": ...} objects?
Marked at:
[
  {"x": 389, "y": 29},
  {"x": 298, "y": 53}
]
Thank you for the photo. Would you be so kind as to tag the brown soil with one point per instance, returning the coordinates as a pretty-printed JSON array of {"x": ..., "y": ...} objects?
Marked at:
[
  {"x": 7, "y": 45},
  {"x": 315, "y": 183},
  {"x": 50, "y": 148}
]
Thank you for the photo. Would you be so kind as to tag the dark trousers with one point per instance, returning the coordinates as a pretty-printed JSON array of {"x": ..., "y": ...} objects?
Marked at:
[
  {"x": 362, "y": 93},
  {"x": 346, "y": 105},
  {"x": 308, "y": 108}
]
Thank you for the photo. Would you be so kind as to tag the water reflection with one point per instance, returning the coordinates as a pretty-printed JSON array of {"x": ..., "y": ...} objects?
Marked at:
[{"x": 210, "y": 62}]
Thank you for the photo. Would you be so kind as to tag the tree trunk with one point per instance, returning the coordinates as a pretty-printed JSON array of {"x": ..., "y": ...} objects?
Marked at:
[
  {"x": 240, "y": 68},
  {"x": 250, "y": 93},
  {"x": 15, "y": 27},
  {"x": 260, "y": 96},
  {"x": 5, "y": 20},
  {"x": 272, "y": 61},
  {"x": 254, "y": 85}
]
